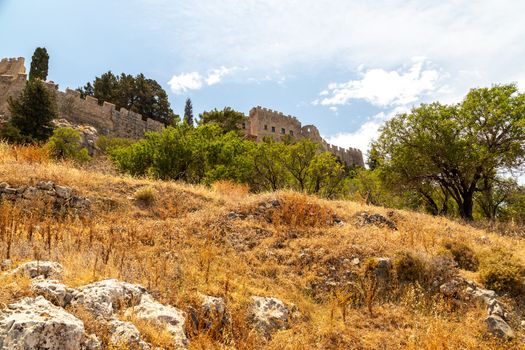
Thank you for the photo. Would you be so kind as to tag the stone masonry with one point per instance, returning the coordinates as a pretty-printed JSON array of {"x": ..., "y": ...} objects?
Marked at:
[
  {"x": 106, "y": 118},
  {"x": 260, "y": 123},
  {"x": 263, "y": 122}
]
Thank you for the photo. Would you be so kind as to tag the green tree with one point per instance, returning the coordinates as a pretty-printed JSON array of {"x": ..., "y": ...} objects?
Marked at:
[
  {"x": 325, "y": 175},
  {"x": 65, "y": 143},
  {"x": 297, "y": 161},
  {"x": 137, "y": 94},
  {"x": 39, "y": 64},
  {"x": 457, "y": 146},
  {"x": 188, "y": 112},
  {"x": 228, "y": 119},
  {"x": 269, "y": 171},
  {"x": 33, "y": 111}
]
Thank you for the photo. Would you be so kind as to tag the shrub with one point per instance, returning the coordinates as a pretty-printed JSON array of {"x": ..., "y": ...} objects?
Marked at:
[
  {"x": 106, "y": 143},
  {"x": 410, "y": 268},
  {"x": 463, "y": 255},
  {"x": 66, "y": 144},
  {"x": 501, "y": 271},
  {"x": 146, "y": 195}
]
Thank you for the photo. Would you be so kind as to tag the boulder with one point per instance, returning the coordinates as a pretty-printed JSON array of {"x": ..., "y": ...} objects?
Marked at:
[
  {"x": 480, "y": 294},
  {"x": 35, "y": 323},
  {"x": 33, "y": 269},
  {"x": 63, "y": 192},
  {"x": 52, "y": 290},
  {"x": 210, "y": 315},
  {"x": 158, "y": 314},
  {"x": 45, "y": 185},
  {"x": 499, "y": 327},
  {"x": 268, "y": 315},
  {"x": 126, "y": 335},
  {"x": 104, "y": 298}
]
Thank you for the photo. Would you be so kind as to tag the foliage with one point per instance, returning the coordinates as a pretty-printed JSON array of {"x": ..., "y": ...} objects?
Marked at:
[
  {"x": 106, "y": 143},
  {"x": 39, "y": 64},
  {"x": 32, "y": 113},
  {"x": 455, "y": 147},
  {"x": 135, "y": 93},
  {"x": 410, "y": 268},
  {"x": 188, "y": 112},
  {"x": 463, "y": 255},
  {"x": 65, "y": 143},
  {"x": 501, "y": 271},
  {"x": 229, "y": 119},
  {"x": 146, "y": 195}
]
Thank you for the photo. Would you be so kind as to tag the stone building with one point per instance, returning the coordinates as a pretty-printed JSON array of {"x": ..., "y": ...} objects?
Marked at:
[{"x": 263, "y": 122}]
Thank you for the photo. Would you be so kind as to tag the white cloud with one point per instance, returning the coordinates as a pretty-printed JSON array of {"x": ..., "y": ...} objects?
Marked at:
[
  {"x": 184, "y": 82},
  {"x": 384, "y": 88}
]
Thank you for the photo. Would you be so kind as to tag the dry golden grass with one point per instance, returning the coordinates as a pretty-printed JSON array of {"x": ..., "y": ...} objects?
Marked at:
[{"x": 183, "y": 244}]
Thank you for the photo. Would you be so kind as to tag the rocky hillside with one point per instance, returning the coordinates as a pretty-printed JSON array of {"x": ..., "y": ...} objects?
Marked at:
[{"x": 97, "y": 261}]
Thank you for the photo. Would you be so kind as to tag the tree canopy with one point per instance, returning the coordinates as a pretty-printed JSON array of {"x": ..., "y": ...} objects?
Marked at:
[
  {"x": 135, "y": 93},
  {"x": 32, "y": 113},
  {"x": 456, "y": 148},
  {"x": 188, "y": 112},
  {"x": 39, "y": 64},
  {"x": 228, "y": 119}
]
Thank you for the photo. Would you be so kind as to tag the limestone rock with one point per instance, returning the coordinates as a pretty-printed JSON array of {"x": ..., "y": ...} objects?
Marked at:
[
  {"x": 268, "y": 315},
  {"x": 483, "y": 295},
  {"x": 210, "y": 315},
  {"x": 379, "y": 220},
  {"x": 63, "y": 192},
  {"x": 162, "y": 315},
  {"x": 105, "y": 297},
  {"x": 46, "y": 269},
  {"x": 35, "y": 323},
  {"x": 499, "y": 327},
  {"x": 126, "y": 335},
  {"x": 45, "y": 185},
  {"x": 53, "y": 290},
  {"x": 91, "y": 342}
]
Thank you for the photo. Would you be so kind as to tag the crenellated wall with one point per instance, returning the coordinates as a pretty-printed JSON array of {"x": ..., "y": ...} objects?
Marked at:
[
  {"x": 106, "y": 118},
  {"x": 263, "y": 122}
]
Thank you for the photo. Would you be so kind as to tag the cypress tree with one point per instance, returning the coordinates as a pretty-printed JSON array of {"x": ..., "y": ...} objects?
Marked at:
[
  {"x": 39, "y": 64},
  {"x": 188, "y": 113}
]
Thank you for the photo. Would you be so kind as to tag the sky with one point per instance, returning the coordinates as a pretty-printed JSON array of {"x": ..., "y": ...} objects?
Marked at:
[{"x": 346, "y": 66}]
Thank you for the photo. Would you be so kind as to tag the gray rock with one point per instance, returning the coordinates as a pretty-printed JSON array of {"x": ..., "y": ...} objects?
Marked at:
[
  {"x": 105, "y": 297},
  {"x": 499, "y": 327},
  {"x": 210, "y": 315},
  {"x": 46, "y": 269},
  {"x": 52, "y": 290},
  {"x": 480, "y": 294},
  {"x": 3, "y": 185},
  {"x": 91, "y": 342},
  {"x": 79, "y": 202},
  {"x": 30, "y": 192},
  {"x": 451, "y": 288},
  {"x": 162, "y": 315},
  {"x": 45, "y": 185},
  {"x": 6, "y": 264},
  {"x": 268, "y": 315},
  {"x": 35, "y": 323},
  {"x": 126, "y": 335},
  {"x": 63, "y": 192},
  {"x": 494, "y": 307}
]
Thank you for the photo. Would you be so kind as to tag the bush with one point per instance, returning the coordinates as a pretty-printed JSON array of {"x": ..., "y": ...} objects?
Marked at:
[
  {"x": 410, "y": 268},
  {"x": 146, "y": 195},
  {"x": 463, "y": 255},
  {"x": 501, "y": 271},
  {"x": 106, "y": 143},
  {"x": 66, "y": 144}
]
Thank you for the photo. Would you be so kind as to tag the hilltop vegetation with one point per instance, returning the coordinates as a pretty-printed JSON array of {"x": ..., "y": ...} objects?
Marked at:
[{"x": 326, "y": 257}]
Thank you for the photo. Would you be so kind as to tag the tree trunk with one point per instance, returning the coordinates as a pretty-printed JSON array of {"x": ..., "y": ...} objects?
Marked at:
[{"x": 465, "y": 209}]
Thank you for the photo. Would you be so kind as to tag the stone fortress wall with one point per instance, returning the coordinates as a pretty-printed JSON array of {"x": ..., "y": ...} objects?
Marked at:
[
  {"x": 260, "y": 123},
  {"x": 263, "y": 122},
  {"x": 106, "y": 118}
]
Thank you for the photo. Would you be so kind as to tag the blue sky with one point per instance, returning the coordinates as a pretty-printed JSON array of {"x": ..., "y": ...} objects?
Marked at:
[{"x": 346, "y": 66}]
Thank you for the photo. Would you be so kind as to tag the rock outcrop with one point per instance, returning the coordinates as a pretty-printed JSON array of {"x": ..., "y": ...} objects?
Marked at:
[
  {"x": 35, "y": 323},
  {"x": 268, "y": 315}
]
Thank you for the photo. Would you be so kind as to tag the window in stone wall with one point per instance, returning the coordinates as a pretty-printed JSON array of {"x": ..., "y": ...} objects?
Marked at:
[
  {"x": 266, "y": 127},
  {"x": 283, "y": 131},
  {"x": 244, "y": 125},
  {"x": 291, "y": 132},
  {"x": 273, "y": 128}
]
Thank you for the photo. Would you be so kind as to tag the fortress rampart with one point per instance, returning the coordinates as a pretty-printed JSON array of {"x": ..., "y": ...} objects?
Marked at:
[
  {"x": 263, "y": 122},
  {"x": 260, "y": 123},
  {"x": 106, "y": 118}
]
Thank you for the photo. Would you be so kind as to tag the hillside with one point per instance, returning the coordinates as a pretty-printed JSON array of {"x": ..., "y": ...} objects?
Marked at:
[{"x": 337, "y": 266}]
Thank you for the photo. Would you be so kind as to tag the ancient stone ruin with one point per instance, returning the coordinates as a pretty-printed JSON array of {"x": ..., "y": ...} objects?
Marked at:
[{"x": 260, "y": 123}]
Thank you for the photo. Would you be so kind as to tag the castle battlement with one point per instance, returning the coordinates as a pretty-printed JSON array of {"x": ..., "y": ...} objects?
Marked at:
[
  {"x": 264, "y": 122},
  {"x": 72, "y": 107}
]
